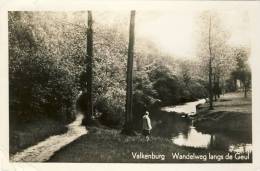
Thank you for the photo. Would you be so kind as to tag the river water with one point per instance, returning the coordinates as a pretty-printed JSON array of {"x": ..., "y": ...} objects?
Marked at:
[{"x": 182, "y": 132}]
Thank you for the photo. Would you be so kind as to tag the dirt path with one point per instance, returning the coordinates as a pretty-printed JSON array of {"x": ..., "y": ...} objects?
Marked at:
[{"x": 44, "y": 150}]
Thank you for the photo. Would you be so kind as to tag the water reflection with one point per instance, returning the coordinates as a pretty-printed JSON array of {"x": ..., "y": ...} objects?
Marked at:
[
  {"x": 218, "y": 141},
  {"x": 193, "y": 139},
  {"x": 189, "y": 108},
  {"x": 167, "y": 123}
]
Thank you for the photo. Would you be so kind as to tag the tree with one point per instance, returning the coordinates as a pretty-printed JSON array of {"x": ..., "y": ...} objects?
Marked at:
[
  {"x": 185, "y": 72},
  {"x": 212, "y": 48},
  {"x": 43, "y": 79},
  {"x": 88, "y": 119},
  {"x": 128, "y": 127},
  {"x": 210, "y": 67},
  {"x": 242, "y": 71}
]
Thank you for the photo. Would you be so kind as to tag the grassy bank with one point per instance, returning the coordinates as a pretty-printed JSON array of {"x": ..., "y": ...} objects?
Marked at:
[
  {"x": 24, "y": 135},
  {"x": 232, "y": 112},
  {"x": 108, "y": 145}
]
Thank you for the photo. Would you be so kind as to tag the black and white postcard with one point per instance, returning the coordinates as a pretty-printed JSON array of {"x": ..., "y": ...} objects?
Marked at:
[{"x": 172, "y": 84}]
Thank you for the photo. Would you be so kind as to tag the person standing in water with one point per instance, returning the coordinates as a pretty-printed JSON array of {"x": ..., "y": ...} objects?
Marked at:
[{"x": 147, "y": 127}]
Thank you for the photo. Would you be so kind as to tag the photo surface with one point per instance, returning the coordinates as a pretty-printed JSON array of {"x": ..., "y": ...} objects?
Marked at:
[{"x": 130, "y": 86}]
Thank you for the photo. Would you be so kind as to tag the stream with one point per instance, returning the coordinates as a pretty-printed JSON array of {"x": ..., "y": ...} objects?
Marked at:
[{"x": 169, "y": 122}]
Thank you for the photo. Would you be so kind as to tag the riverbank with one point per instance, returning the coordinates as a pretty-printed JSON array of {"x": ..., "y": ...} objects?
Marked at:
[
  {"x": 108, "y": 145},
  {"x": 232, "y": 112}
]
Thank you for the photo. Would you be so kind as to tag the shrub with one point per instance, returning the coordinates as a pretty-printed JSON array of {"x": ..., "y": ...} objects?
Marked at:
[{"x": 40, "y": 83}]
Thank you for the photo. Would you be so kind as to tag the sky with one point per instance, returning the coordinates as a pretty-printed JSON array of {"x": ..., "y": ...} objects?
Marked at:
[{"x": 173, "y": 32}]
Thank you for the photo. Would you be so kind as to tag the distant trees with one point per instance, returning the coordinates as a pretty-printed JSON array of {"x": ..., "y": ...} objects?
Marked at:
[
  {"x": 52, "y": 59},
  {"x": 185, "y": 73},
  {"x": 194, "y": 86},
  {"x": 214, "y": 52},
  {"x": 242, "y": 70},
  {"x": 167, "y": 85},
  {"x": 223, "y": 63}
]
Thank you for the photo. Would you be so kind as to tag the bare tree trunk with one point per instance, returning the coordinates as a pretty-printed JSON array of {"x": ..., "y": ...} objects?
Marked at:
[
  {"x": 245, "y": 93},
  {"x": 89, "y": 58},
  {"x": 245, "y": 90},
  {"x": 223, "y": 88},
  {"x": 210, "y": 69},
  {"x": 214, "y": 87},
  {"x": 235, "y": 84},
  {"x": 218, "y": 87},
  {"x": 128, "y": 127}
]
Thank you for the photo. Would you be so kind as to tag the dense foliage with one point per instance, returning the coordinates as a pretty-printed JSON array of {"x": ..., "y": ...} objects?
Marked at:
[
  {"x": 47, "y": 69},
  {"x": 42, "y": 77}
]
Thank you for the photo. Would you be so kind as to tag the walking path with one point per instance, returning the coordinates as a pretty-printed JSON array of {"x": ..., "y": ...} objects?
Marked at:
[{"x": 45, "y": 149}]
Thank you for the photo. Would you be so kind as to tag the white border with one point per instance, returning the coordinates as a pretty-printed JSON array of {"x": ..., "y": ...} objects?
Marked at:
[{"x": 48, "y": 5}]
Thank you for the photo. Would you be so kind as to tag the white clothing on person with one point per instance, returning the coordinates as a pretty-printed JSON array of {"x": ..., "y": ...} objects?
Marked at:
[{"x": 147, "y": 123}]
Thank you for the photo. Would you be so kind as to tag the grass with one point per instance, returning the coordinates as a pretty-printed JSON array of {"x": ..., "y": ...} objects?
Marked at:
[
  {"x": 232, "y": 102},
  {"x": 108, "y": 145},
  {"x": 27, "y": 134},
  {"x": 232, "y": 112}
]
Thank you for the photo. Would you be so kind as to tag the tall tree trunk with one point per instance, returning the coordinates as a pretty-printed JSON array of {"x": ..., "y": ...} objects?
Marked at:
[
  {"x": 218, "y": 86},
  {"x": 128, "y": 127},
  {"x": 223, "y": 88},
  {"x": 245, "y": 90},
  {"x": 89, "y": 58},
  {"x": 210, "y": 69},
  {"x": 214, "y": 87},
  {"x": 235, "y": 84}
]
